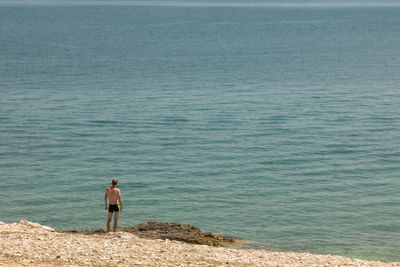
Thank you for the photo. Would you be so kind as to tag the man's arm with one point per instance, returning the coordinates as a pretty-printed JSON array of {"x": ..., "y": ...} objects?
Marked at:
[
  {"x": 120, "y": 201},
  {"x": 105, "y": 197}
]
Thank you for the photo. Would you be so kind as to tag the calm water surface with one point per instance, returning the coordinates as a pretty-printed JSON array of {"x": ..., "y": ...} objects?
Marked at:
[{"x": 279, "y": 125}]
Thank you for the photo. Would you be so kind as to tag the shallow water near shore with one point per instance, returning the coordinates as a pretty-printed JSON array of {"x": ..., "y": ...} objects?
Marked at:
[{"x": 278, "y": 125}]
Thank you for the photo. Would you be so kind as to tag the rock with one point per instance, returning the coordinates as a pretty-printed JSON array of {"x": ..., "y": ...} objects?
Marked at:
[{"x": 169, "y": 231}]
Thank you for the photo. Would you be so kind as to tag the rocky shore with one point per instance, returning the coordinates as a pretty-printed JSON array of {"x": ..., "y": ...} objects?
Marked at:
[
  {"x": 31, "y": 244},
  {"x": 172, "y": 231}
]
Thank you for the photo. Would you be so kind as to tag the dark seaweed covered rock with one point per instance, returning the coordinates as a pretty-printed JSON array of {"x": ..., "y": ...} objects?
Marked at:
[{"x": 172, "y": 231}]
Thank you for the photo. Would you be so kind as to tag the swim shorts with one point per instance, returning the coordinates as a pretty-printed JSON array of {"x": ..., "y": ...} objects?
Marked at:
[{"x": 112, "y": 208}]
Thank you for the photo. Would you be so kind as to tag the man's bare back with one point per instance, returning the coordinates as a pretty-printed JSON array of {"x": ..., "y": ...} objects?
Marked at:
[{"x": 113, "y": 195}]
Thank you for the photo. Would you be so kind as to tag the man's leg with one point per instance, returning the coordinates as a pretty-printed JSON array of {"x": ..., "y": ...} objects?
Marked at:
[
  {"x": 109, "y": 221},
  {"x": 115, "y": 221}
]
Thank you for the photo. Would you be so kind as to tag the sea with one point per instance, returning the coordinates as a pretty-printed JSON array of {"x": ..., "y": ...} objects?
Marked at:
[{"x": 275, "y": 122}]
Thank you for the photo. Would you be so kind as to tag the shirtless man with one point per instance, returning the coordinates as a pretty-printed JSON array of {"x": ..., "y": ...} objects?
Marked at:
[{"x": 115, "y": 204}]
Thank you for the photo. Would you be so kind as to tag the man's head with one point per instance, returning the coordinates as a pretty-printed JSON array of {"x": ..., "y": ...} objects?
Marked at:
[{"x": 114, "y": 182}]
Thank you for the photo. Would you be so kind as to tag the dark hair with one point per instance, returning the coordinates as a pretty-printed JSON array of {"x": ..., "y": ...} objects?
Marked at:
[{"x": 114, "y": 181}]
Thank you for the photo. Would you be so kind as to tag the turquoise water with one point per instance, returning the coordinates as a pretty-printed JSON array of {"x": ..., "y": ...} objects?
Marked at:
[{"x": 276, "y": 124}]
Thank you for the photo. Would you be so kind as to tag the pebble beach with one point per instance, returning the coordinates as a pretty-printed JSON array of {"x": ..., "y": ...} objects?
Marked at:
[{"x": 31, "y": 244}]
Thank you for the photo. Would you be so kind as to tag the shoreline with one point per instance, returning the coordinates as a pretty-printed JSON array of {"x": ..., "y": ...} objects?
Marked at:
[
  {"x": 172, "y": 231},
  {"x": 27, "y": 243}
]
